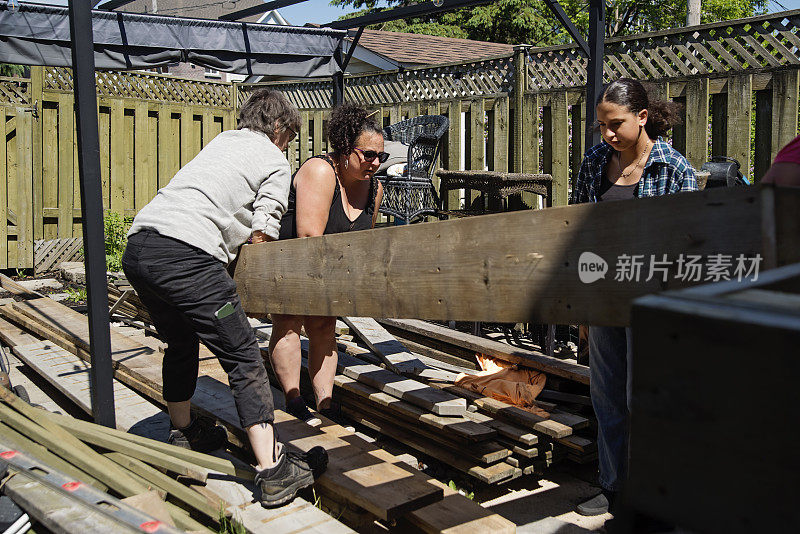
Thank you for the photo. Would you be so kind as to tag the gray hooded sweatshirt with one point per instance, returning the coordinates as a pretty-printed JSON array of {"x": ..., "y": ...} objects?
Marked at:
[{"x": 237, "y": 184}]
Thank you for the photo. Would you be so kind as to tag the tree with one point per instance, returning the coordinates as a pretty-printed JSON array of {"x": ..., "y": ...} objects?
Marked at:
[
  {"x": 12, "y": 70},
  {"x": 531, "y": 22}
]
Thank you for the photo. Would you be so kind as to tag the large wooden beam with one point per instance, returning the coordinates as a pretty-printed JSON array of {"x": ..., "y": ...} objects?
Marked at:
[{"x": 509, "y": 267}]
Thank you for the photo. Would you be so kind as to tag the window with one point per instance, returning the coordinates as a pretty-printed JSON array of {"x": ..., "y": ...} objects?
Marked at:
[{"x": 211, "y": 73}]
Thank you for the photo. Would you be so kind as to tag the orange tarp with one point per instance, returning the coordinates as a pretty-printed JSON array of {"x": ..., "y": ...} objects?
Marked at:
[{"x": 505, "y": 382}]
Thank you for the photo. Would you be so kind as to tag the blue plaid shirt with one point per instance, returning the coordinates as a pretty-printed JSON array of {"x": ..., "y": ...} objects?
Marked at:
[{"x": 665, "y": 172}]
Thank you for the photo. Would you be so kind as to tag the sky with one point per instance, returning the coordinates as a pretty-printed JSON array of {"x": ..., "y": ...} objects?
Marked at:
[{"x": 320, "y": 12}]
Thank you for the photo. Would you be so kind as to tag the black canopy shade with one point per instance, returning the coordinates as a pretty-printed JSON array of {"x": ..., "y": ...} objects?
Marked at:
[{"x": 39, "y": 35}]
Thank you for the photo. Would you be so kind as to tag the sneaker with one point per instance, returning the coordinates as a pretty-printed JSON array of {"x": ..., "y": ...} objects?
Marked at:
[
  {"x": 202, "y": 435},
  {"x": 297, "y": 408},
  {"x": 597, "y": 505},
  {"x": 293, "y": 472}
]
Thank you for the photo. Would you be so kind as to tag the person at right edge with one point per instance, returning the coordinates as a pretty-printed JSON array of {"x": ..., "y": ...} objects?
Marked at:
[
  {"x": 632, "y": 161},
  {"x": 178, "y": 248}
]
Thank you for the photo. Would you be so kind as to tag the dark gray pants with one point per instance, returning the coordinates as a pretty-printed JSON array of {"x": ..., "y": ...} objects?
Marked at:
[{"x": 182, "y": 288}]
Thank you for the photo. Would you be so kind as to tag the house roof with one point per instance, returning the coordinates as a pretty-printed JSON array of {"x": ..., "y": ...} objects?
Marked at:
[
  {"x": 418, "y": 49},
  {"x": 198, "y": 9}
]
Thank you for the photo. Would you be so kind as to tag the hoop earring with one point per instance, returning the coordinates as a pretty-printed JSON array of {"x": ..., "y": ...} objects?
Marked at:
[{"x": 346, "y": 163}]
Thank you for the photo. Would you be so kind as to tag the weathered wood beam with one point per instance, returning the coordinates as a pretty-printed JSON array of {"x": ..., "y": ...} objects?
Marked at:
[{"x": 509, "y": 267}]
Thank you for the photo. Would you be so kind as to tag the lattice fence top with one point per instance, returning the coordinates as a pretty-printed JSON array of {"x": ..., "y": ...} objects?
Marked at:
[
  {"x": 442, "y": 82},
  {"x": 304, "y": 95},
  {"x": 487, "y": 77},
  {"x": 756, "y": 43},
  {"x": 15, "y": 91},
  {"x": 147, "y": 86}
]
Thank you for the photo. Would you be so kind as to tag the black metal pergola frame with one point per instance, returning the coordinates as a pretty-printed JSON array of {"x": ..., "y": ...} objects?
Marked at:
[{"x": 82, "y": 46}]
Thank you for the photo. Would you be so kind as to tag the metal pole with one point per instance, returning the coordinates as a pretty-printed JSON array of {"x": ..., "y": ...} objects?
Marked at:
[
  {"x": 594, "y": 69},
  {"x": 338, "y": 78},
  {"x": 101, "y": 376}
]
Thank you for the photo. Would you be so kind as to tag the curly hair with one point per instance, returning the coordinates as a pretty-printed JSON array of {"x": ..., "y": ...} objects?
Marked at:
[
  {"x": 266, "y": 110},
  {"x": 345, "y": 124},
  {"x": 661, "y": 115}
]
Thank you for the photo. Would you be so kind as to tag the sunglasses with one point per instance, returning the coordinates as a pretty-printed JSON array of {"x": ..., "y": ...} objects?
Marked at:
[{"x": 370, "y": 155}]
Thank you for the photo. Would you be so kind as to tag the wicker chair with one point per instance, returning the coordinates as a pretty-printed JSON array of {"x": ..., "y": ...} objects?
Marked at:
[{"x": 414, "y": 195}]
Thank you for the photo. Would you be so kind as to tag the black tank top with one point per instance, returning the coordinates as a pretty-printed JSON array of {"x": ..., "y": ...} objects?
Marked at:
[{"x": 337, "y": 218}]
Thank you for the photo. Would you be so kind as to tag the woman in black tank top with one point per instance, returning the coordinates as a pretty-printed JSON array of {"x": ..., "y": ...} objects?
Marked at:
[{"x": 330, "y": 193}]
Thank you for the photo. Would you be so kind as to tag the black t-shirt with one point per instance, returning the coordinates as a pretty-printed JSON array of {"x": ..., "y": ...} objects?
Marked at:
[{"x": 609, "y": 191}]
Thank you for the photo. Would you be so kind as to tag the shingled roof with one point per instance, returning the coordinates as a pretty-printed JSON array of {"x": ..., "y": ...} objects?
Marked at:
[
  {"x": 411, "y": 49},
  {"x": 198, "y": 9}
]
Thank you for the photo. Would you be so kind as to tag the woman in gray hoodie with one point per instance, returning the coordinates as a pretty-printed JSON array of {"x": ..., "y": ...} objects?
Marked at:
[{"x": 178, "y": 248}]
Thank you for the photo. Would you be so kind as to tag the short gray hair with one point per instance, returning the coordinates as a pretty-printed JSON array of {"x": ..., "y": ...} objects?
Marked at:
[{"x": 267, "y": 110}]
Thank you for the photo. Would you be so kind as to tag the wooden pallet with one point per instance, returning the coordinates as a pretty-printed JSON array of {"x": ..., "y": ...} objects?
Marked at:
[{"x": 49, "y": 253}]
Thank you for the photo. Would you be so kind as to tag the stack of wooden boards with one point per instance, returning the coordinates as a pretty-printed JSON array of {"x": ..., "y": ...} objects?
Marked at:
[
  {"x": 567, "y": 382},
  {"x": 362, "y": 483},
  {"x": 390, "y": 390},
  {"x": 130, "y": 306},
  {"x": 170, "y": 484}
]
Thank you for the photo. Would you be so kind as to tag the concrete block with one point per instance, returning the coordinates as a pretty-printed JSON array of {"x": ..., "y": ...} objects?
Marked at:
[
  {"x": 43, "y": 283},
  {"x": 73, "y": 271}
]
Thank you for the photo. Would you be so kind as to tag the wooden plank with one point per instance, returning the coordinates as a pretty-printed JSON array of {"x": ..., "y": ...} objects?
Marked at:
[
  {"x": 560, "y": 148},
  {"x": 409, "y": 390},
  {"x": 70, "y": 375},
  {"x": 49, "y": 168},
  {"x": 303, "y": 137},
  {"x": 58, "y": 511},
  {"x": 490, "y": 475},
  {"x": 62, "y": 443},
  {"x": 186, "y": 133},
  {"x": 763, "y": 149},
  {"x": 164, "y": 134},
  {"x": 520, "y": 122},
  {"x": 4, "y": 196},
  {"x": 456, "y": 514},
  {"x": 477, "y": 143},
  {"x": 501, "y": 131},
  {"x": 141, "y": 180},
  {"x": 511, "y": 413},
  {"x": 118, "y": 157},
  {"x": 129, "y": 138},
  {"x": 530, "y": 129},
  {"x": 104, "y": 126},
  {"x": 484, "y": 452},
  {"x": 13, "y": 438},
  {"x": 697, "y": 121},
  {"x": 505, "y": 429},
  {"x": 382, "y": 343},
  {"x": 740, "y": 104},
  {"x": 452, "y": 200},
  {"x": 12, "y": 335},
  {"x": 319, "y": 140},
  {"x": 496, "y": 349},
  {"x": 578, "y": 138},
  {"x": 36, "y": 148},
  {"x": 25, "y": 185},
  {"x": 719, "y": 124},
  {"x": 454, "y": 427},
  {"x": 785, "y": 105},
  {"x": 507, "y": 267}
]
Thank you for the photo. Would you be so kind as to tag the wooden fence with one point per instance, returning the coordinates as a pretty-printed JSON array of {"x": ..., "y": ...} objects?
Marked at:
[
  {"x": 150, "y": 126},
  {"x": 524, "y": 112}
]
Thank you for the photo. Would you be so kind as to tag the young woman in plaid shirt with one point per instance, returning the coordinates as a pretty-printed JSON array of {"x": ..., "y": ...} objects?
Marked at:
[{"x": 632, "y": 161}]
